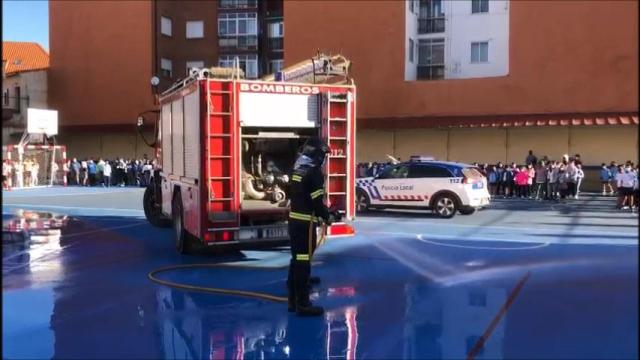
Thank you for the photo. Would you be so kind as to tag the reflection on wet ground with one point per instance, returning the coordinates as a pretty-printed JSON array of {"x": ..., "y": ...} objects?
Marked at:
[{"x": 77, "y": 287}]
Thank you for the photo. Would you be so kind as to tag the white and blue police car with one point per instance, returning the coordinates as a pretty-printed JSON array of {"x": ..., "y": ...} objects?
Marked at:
[{"x": 423, "y": 183}]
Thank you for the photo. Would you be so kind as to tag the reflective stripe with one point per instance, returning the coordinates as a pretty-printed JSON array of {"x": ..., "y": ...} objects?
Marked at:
[
  {"x": 303, "y": 217},
  {"x": 302, "y": 257},
  {"x": 297, "y": 178},
  {"x": 317, "y": 193}
]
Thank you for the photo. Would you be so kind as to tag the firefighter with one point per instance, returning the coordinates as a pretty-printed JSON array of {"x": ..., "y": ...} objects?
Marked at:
[{"x": 307, "y": 209}]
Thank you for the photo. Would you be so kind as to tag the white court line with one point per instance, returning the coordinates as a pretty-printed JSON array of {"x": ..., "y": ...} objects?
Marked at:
[
  {"x": 498, "y": 227},
  {"x": 471, "y": 238},
  {"x": 537, "y": 246}
]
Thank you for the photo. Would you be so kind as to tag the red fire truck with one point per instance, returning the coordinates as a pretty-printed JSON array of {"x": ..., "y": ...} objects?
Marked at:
[{"x": 226, "y": 149}]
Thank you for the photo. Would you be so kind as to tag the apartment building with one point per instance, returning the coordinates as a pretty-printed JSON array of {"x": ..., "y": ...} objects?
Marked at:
[
  {"x": 483, "y": 80},
  {"x": 24, "y": 85},
  {"x": 104, "y": 55}
]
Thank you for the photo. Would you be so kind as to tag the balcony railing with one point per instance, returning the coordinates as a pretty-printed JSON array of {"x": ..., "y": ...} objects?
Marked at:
[
  {"x": 238, "y": 42},
  {"x": 430, "y": 72},
  {"x": 276, "y": 44},
  {"x": 237, "y": 4},
  {"x": 431, "y": 25}
]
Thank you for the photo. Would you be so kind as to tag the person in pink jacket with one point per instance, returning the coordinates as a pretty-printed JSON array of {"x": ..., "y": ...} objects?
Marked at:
[{"x": 522, "y": 182}]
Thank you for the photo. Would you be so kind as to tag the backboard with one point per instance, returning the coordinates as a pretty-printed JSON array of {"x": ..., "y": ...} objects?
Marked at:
[{"x": 40, "y": 121}]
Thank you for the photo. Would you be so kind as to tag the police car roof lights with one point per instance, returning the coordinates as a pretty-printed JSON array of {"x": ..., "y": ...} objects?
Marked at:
[{"x": 419, "y": 158}]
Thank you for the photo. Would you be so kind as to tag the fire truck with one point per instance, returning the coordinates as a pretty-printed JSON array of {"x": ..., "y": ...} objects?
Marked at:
[{"x": 226, "y": 148}]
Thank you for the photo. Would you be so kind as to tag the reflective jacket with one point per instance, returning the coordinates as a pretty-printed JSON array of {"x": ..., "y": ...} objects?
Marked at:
[{"x": 307, "y": 192}]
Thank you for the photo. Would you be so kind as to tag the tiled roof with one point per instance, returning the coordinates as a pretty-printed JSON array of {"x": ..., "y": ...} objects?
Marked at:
[
  {"x": 23, "y": 56},
  {"x": 502, "y": 121}
]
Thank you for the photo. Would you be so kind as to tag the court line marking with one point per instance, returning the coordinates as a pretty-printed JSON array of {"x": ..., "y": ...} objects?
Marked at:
[
  {"x": 537, "y": 246},
  {"x": 496, "y": 319},
  {"x": 496, "y": 227}
]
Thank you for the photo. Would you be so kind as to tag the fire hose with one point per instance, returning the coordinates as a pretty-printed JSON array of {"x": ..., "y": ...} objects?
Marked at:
[{"x": 224, "y": 291}]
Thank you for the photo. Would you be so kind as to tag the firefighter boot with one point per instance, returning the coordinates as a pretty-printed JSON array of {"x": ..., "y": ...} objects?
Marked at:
[{"x": 291, "y": 291}]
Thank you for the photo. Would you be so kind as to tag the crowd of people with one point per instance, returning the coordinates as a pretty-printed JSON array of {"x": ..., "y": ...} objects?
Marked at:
[
  {"x": 548, "y": 179},
  {"x": 23, "y": 174},
  {"x": 107, "y": 173}
]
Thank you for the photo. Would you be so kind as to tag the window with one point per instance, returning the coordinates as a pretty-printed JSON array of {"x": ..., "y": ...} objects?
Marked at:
[
  {"x": 479, "y": 6},
  {"x": 276, "y": 30},
  {"x": 165, "y": 67},
  {"x": 428, "y": 171},
  {"x": 6, "y": 97},
  {"x": 275, "y": 66},
  {"x": 410, "y": 50},
  {"x": 248, "y": 63},
  {"x": 195, "y": 29},
  {"x": 238, "y": 24},
  {"x": 431, "y": 17},
  {"x": 194, "y": 64},
  {"x": 395, "y": 172},
  {"x": 410, "y": 5},
  {"x": 165, "y": 26},
  {"x": 431, "y": 59},
  {"x": 479, "y": 52}
]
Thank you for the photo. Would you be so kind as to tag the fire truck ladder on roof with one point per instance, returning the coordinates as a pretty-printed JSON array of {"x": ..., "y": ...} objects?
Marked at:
[{"x": 337, "y": 125}]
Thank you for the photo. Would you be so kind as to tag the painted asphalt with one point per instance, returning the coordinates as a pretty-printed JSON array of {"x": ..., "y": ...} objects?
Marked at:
[{"x": 521, "y": 279}]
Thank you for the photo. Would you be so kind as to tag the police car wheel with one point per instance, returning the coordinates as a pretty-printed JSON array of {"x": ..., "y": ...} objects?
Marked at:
[
  {"x": 445, "y": 206},
  {"x": 362, "y": 201}
]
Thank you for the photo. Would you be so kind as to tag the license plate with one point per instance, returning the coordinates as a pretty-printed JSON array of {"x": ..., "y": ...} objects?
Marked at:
[{"x": 276, "y": 232}]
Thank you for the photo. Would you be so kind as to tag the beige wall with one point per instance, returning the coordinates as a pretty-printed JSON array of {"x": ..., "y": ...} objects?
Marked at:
[
  {"x": 597, "y": 145},
  {"x": 594, "y": 144},
  {"x": 479, "y": 145},
  {"x": 428, "y": 142},
  {"x": 373, "y": 145},
  {"x": 33, "y": 84},
  {"x": 550, "y": 141},
  {"x": 106, "y": 145}
]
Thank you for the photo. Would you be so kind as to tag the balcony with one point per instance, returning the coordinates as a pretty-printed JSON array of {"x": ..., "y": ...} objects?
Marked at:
[
  {"x": 430, "y": 25},
  {"x": 430, "y": 72},
  {"x": 237, "y": 4},
  {"x": 238, "y": 42},
  {"x": 276, "y": 44}
]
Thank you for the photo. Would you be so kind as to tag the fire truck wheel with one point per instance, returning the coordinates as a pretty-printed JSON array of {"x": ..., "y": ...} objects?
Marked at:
[
  {"x": 182, "y": 239},
  {"x": 152, "y": 210}
]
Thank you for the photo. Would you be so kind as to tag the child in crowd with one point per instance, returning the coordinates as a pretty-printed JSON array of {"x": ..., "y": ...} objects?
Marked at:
[
  {"x": 605, "y": 179},
  {"x": 522, "y": 182}
]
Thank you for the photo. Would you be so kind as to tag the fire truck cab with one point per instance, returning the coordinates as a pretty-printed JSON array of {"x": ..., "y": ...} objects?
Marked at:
[{"x": 226, "y": 149}]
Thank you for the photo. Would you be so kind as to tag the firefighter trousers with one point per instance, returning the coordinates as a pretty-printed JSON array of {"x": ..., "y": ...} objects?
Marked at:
[{"x": 303, "y": 244}]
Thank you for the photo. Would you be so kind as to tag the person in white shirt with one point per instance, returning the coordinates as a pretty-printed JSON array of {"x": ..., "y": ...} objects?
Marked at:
[
  {"x": 626, "y": 180},
  {"x": 106, "y": 174},
  {"x": 579, "y": 177},
  {"x": 34, "y": 173}
]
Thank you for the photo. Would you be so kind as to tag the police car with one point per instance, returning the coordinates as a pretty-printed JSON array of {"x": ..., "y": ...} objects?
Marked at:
[{"x": 423, "y": 183}]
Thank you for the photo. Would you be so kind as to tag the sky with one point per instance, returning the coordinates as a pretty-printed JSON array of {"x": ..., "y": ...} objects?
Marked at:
[{"x": 26, "y": 20}]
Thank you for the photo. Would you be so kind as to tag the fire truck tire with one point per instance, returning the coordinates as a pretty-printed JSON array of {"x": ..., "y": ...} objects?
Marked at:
[
  {"x": 152, "y": 210},
  {"x": 183, "y": 241}
]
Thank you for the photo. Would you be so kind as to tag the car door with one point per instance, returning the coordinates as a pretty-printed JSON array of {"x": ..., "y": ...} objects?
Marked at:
[
  {"x": 390, "y": 184},
  {"x": 426, "y": 180}
]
